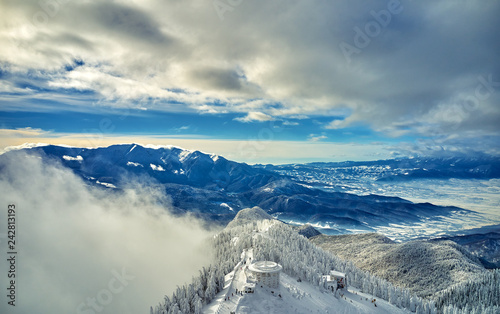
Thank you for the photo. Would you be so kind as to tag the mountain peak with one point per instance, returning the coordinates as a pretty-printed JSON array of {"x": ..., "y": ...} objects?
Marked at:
[
  {"x": 308, "y": 231},
  {"x": 248, "y": 215}
]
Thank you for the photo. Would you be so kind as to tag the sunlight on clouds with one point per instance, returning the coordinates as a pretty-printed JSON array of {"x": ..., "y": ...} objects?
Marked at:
[{"x": 23, "y": 133}]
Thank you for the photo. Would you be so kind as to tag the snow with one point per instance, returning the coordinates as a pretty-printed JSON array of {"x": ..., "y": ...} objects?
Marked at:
[
  {"x": 214, "y": 157},
  {"x": 291, "y": 297},
  {"x": 247, "y": 215},
  {"x": 337, "y": 273},
  {"x": 152, "y": 146},
  {"x": 184, "y": 155},
  {"x": 69, "y": 158},
  {"x": 227, "y": 206},
  {"x": 265, "y": 267},
  {"x": 133, "y": 147},
  {"x": 156, "y": 168}
]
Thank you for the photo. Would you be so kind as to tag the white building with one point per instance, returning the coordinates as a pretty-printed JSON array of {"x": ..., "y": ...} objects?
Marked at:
[
  {"x": 336, "y": 280},
  {"x": 266, "y": 273}
]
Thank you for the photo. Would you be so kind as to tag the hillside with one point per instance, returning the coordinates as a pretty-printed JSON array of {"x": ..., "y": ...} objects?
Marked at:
[
  {"x": 423, "y": 267},
  {"x": 300, "y": 287},
  {"x": 485, "y": 244}
]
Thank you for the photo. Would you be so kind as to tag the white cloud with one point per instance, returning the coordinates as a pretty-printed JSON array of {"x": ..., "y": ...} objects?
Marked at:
[
  {"x": 316, "y": 138},
  {"x": 255, "y": 117},
  {"x": 288, "y": 122},
  {"x": 336, "y": 124},
  {"x": 73, "y": 240},
  {"x": 23, "y": 132}
]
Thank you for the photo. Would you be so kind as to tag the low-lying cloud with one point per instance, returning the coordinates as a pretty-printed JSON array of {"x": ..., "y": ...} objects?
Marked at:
[{"x": 86, "y": 250}]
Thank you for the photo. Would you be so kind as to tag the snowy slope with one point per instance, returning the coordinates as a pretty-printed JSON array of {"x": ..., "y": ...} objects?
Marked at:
[
  {"x": 292, "y": 296},
  {"x": 215, "y": 290}
]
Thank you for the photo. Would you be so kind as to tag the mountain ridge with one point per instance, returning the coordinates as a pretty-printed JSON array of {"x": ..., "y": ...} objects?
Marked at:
[
  {"x": 424, "y": 267},
  {"x": 215, "y": 189}
]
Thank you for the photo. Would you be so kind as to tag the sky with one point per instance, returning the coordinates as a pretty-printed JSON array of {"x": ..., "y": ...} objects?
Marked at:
[{"x": 254, "y": 81}]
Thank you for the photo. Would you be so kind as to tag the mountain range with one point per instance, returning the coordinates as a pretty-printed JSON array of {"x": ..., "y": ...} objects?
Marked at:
[{"x": 215, "y": 189}]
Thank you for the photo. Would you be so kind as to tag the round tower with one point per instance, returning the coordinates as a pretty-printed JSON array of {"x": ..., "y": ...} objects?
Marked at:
[{"x": 266, "y": 273}]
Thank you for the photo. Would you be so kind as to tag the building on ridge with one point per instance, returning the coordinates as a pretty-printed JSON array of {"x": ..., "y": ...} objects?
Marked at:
[{"x": 265, "y": 273}]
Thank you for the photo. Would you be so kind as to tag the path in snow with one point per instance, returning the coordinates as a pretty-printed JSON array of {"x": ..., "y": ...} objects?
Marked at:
[{"x": 227, "y": 300}]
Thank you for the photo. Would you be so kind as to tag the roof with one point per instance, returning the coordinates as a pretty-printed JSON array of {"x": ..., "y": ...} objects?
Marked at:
[
  {"x": 265, "y": 267},
  {"x": 337, "y": 273}
]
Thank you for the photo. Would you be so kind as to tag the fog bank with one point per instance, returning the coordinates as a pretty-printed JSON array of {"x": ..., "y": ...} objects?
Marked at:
[{"x": 84, "y": 250}]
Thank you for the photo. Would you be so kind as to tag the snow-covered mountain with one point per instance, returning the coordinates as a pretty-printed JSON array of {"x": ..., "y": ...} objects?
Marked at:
[
  {"x": 248, "y": 215},
  {"x": 215, "y": 188},
  {"x": 301, "y": 287},
  {"x": 115, "y": 164}
]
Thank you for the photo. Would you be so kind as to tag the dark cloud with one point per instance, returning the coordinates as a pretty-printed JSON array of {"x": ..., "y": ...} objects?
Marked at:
[
  {"x": 217, "y": 78},
  {"x": 128, "y": 21}
]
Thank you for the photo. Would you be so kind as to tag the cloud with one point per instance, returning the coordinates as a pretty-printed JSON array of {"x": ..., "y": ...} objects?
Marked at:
[
  {"x": 468, "y": 144},
  {"x": 411, "y": 73},
  {"x": 288, "y": 122},
  {"x": 77, "y": 243},
  {"x": 23, "y": 132},
  {"x": 336, "y": 124},
  {"x": 255, "y": 117},
  {"x": 316, "y": 138},
  {"x": 182, "y": 128}
]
